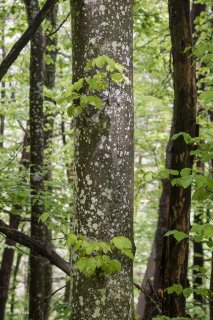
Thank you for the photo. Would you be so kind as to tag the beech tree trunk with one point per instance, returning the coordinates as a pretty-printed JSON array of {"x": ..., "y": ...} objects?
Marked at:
[
  {"x": 49, "y": 82},
  {"x": 104, "y": 157},
  {"x": 36, "y": 281},
  {"x": 176, "y": 253}
]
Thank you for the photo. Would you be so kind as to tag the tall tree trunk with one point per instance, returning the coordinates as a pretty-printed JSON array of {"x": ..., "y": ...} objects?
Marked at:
[
  {"x": 36, "y": 285},
  {"x": 176, "y": 253},
  {"x": 198, "y": 258},
  {"x": 3, "y": 54},
  {"x": 104, "y": 157},
  {"x": 49, "y": 82}
]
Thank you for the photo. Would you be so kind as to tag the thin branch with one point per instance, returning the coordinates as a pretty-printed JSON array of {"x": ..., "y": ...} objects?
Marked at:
[
  {"x": 59, "y": 27},
  {"x": 25, "y": 38},
  {"x": 35, "y": 245}
]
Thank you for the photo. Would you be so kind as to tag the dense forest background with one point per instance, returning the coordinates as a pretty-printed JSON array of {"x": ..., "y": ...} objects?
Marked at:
[{"x": 38, "y": 170}]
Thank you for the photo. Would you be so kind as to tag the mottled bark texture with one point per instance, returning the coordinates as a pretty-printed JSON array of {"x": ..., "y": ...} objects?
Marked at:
[
  {"x": 36, "y": 284},
  {"x": 104, "y": 157},
  {"x": 49, "y": 82},
  {"x": 150, "y": 301},
  {"x": 176, "y": 253}
]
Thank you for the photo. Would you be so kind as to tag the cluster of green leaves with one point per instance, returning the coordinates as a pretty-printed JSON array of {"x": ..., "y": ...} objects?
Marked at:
[
  {"x": 178, "y": 289},
  {"x": 96, "y": 255},
  {"x": 198, "y": 233},
  {"x": 92, "y": 85}
]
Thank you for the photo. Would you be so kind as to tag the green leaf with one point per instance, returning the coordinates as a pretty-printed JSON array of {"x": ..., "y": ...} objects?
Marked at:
[
  {"x": 185, "y": 172},
  {"x": 176, "y": 288},
  {"x": 121, "y": 243},
  {"x": 71, "y": 240},
  {"x": 44, "y": 217},
  {"x": 187, "y": 292},
  {"x": 95, "y": 101},
  {"x": 207, "y": 96},
  {"x": 200, "y": 194},
  {"x": 128, "y": 253},
  {"x": 178, "y": 235},
  {"x": 100, "y": 61},
  {"x": 117, "y": 77},
  {"x": 186, "y": 136},
  {"x": 78, "y": 84},
  {"x": 73, "y": 111}
]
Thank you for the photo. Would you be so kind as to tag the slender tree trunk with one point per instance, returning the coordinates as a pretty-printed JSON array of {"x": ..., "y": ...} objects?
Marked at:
[
  {"x": 8, "y": 253},
  {"x": 150, "y": 302},
  {"x": 36, "y": 285},
  {"x": 176, "y": 253},
  {"x": 2, "y": 82},
  {"x": 198, "y": 258},
  {"x": 104, "y": 157},
  {"x": 49, "y": 82},
  {"x": 14, "y": 284}
]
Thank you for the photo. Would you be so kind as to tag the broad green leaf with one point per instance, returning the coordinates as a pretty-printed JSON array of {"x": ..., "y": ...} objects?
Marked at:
[
  {"x": 74, "y": 111},
  {"x": 44, "y": 217},
  {"x": 178, "y": 235},
  {"x": 78, "y": 84},
  {"x": 117, "y": 77},
  {"x": 121, "y": 243},
  {"x": 95, "y": 101},
  {"x": 187, "y": 292},
  {"x": 176, "y": 288}
]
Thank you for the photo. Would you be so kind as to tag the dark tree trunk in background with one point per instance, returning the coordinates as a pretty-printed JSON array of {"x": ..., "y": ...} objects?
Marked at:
[
  {"x": 8, "y": 253},
  {"x": 49, "y": 82},
  {"x": 198, "y": 258},
  {"x": 150, "y": 301},
  {"x": 3, "y": 54},
  {"x": 36, "y": 285},
  {"x": 176, "y": 253},
  {"x": 104, "y": 157}
]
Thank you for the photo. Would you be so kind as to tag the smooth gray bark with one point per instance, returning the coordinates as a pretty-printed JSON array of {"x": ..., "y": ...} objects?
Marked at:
[{"x": 104, "y": 157}]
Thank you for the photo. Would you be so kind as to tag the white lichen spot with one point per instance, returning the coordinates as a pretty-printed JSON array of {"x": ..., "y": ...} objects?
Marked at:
[
  {"x": 102, "y": 8},
  {"x": 88, "y": 180},
  {"x": 95, "y": 226},
  {"x": 114, "y": 45},
  {"x": 81, "y": 301}
]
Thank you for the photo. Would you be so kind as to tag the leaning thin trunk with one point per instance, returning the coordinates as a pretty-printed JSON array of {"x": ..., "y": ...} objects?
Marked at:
[
  {"x": 176, "y": 253},
  {"x": 104, "y": 157}
]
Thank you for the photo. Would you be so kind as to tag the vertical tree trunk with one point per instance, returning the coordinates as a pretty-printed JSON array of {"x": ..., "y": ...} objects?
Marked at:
[
  {"x": 150, "y": 301},
  {"x": 3, "y": 54},
  {"x": 49, "y": 82},
  {"x": 36, "y": 286},
  {"x": 104, "y": 157},
  {"x": 176, "y": 253},
  {"x": 198, "y": 258},
  {"x": 14, "y": 284}
]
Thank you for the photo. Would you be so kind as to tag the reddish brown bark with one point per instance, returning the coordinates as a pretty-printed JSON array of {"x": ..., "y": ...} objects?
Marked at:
[{"x": 176, "y": 253}]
